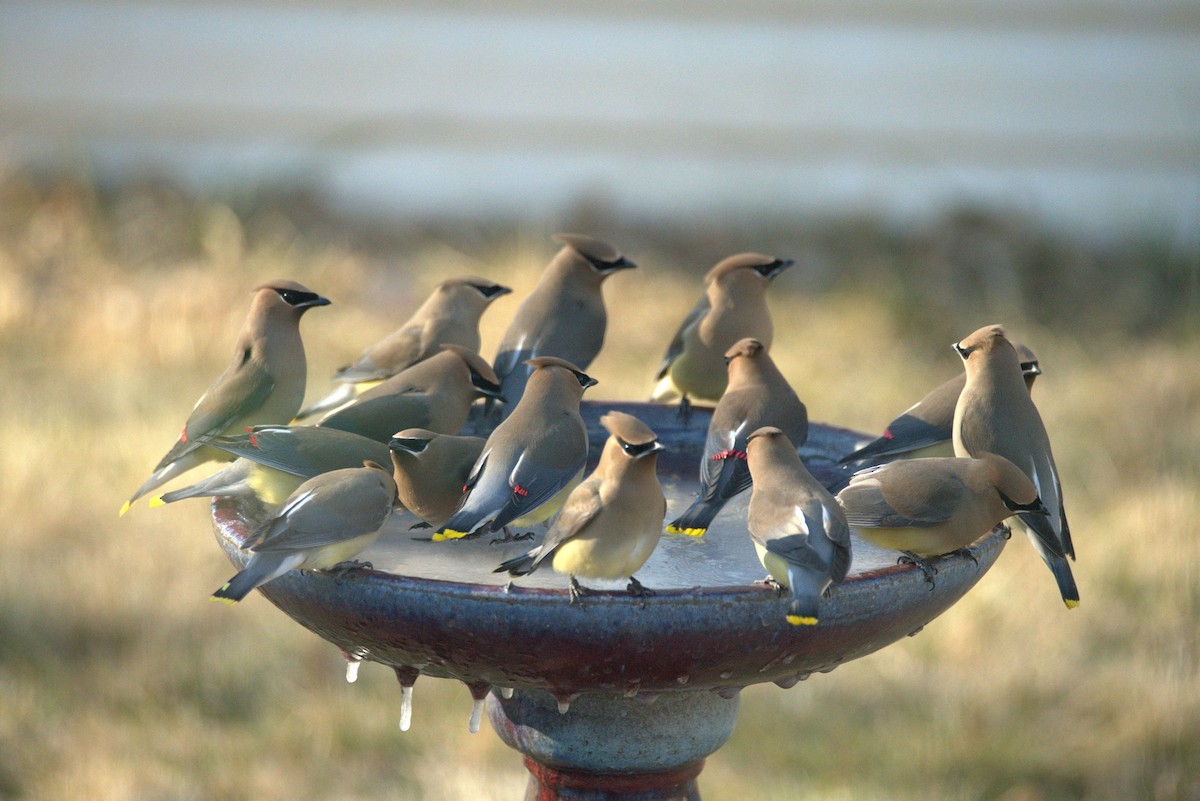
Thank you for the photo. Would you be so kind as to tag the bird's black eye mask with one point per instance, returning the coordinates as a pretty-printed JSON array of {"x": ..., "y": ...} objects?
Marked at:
[
  {"x": 601, "y": 266},
  {"x": 638, "y": 451},
  {"x": 585, "y": 380},
  {"x": 294, "y": 297},
  {"x": 491, "y": 291},
  {"x": 774, "y": 268},
  {"x": 410, "y": 444}
]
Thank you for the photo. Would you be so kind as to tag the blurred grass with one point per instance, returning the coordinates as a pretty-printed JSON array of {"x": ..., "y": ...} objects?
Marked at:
[{"x": 119, "y": 681}]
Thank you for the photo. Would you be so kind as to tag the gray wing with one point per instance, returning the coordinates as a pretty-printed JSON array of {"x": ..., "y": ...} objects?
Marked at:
[
  {"x": 581, "y": 508},
  {"x": 693, "y": 318}
]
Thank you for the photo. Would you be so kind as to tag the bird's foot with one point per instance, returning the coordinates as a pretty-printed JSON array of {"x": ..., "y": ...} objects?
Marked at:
[
  {"x": 685, "y": 411},
  {"x": 636, "y": 589},
  {"x": 773, "y": 584},
  {"x": 1005, "y": 531},
  {"x": 967, "y": 552},
  {"x": 576, "y": 591},
  {"x": 510, "y": 537},
  {"x": 340, "y": 570},
  {"x": 418, "y": 526},
  {"x": 926, "y": 566}
]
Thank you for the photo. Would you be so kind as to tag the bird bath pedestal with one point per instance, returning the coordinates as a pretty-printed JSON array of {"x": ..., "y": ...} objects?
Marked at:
[{"x": 616, "y": 697}]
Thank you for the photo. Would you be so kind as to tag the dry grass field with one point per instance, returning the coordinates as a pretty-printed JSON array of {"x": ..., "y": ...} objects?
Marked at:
[{"x": 119, "y": 681}]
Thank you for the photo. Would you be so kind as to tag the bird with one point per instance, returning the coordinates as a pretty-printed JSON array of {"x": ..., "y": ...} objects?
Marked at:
[
  {"x": 925, "y": 428},
  {"x": 430, "y": 470},
  {"x": 328, "y": 520},
  {"x": 733, "y": 307},
  {"x": 610, "y": 523},
  {"x": 798, "y": 528},
  {"x": 531, "y": 459},
  {"x": 263, "y": 384},
  {"x": 758, "y": 396},
  {"x": 435, "y": 393},
  {"x": 936, "y": 505},
  {"x": 563, "y": 316},
  {"x": 996, "y": 414},
  {"x": 449, "y": 316},
  {"x": 270, "y": 462}
]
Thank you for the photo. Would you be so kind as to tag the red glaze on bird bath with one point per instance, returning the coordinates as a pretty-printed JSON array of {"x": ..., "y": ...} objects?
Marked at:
[{"x": 617, "y": 697}]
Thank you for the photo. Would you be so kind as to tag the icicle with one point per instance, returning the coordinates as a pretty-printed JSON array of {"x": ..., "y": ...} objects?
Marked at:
[
  {"x": 564, "y": 701},
  {"x": 407, "y": 676},
  {"x": 476, "y": 716},
  {"x": 405, "y": 707},
  {"x": 479, "y": 692},
  {"x": 354, "y": 660}
]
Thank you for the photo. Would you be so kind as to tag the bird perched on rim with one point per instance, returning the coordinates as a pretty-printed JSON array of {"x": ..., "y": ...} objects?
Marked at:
[
  {"x": 449, "y": 316},
  {"x": 925, "y": 428},
  {"x": 430, "y": 470},
  {"x": 435, "y": 393},
  {"x": 996, "y": 414},
  {"x": 532, "y": 459},
  {"x": 733, "y": 307},
  {"x": 758, "y": 396},
  {"x": 611, "y": 523},
  {"x": 263, "y": 384},
  {"x": 563, "y": 316},
  {"x": 328, "y": 520},
  {"x": 270, "y": 462},
  {"x": 936, "y": 505},
  {"x": 798, "y": 528}
]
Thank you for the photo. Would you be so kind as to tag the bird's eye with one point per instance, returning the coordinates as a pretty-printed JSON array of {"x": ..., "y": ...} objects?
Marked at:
[{"x": 294, "y": 297}]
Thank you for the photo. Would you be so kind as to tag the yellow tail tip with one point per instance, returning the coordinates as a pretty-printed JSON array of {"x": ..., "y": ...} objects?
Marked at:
[
  {"x": 1071, "y": 604},
  {"x": 124, "y": 508},
  {"x": 797, "y": 620},
  {"x": 691, "y": 532},
  {"x": 218, "y": 599},
  {"x": 157, "y": 501},
  {"x": 448, "y": 534}
]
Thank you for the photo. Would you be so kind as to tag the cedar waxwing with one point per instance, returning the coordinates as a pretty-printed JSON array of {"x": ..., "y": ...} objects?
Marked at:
[
  {"x": 449, "y": 316},
  {"x": 936, "y": 505},
  {"x": 798, "y": 528},
  {"x": 925, "y": 429},
  {"x": 263, "y": 384},
  {"x": 435, "y": 393},
  {"x": 531, "y": 459},
  {"x": 431, "y": 470},
  {"x": 733, "y": 308},
  {"x": 758, "y": 396},
  {"x": 996, "y": 414},
  {"x": 272, "y": 461},
  {"x": 611, "y": 522},
  {"x": 564, "y": 316},
  {"x": 328, "y": 519}
]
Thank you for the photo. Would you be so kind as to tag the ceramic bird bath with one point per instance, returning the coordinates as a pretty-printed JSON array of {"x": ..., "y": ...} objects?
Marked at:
[{"x": 617, "y": 697}]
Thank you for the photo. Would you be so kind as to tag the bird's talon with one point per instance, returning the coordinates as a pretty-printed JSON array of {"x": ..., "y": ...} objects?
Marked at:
[
  {"x": 926, "y": 566},
  {"x": 576, "y": 591}
]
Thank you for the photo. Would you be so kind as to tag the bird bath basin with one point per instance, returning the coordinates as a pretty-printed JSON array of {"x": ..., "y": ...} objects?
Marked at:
[{"x": 617, "y": 697}]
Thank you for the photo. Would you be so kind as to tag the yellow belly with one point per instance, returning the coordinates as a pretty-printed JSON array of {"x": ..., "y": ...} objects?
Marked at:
[{"x": 618, "y": 555}]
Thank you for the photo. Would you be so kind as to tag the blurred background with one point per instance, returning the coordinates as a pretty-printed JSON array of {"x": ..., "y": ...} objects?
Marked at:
[{"x": 932, "y": 168}]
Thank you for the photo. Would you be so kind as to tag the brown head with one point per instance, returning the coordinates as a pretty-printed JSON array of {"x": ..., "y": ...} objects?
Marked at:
[
  {"x": 746, "y": 269},
  {"x": 471, "y": 289},
  {"x": 483, "y": 377},
  {"x": 1014, "y": 487},
  {"x": 635, "y": 439},
  {"x": 988, "y": 345},
  {"x": 549, "y": 368},
  {"x": 286, "y": 298},
  {"x": 588, "y": 258},
  {"x": 1030, "y": 367}
]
